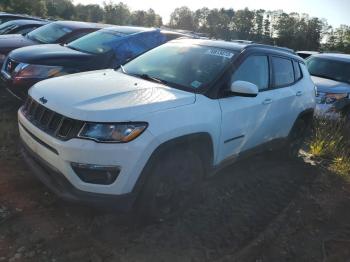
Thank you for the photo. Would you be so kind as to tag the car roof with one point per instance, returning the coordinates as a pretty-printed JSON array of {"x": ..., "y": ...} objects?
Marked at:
[
  {"x": 308, "y": 52},
  {"x": 28, "y": 22},
  {"x": 137, "y": 29},
  {"x": 334, "y": 56},
  {"x": 240, "y": 46},
  {"x": 81, "y": 25},
  {"x": 129, "y": 29},
  {"x": 214, "y": 43}
]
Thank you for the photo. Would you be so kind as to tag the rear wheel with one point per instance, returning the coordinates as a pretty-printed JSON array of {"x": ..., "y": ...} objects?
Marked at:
[
  {"x": 297, "y": 136},
  {"x": 170, "y": 184}
]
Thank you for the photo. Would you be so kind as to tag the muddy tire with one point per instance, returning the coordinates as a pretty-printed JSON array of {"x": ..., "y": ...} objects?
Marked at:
[{"x": 170, "y": 185}]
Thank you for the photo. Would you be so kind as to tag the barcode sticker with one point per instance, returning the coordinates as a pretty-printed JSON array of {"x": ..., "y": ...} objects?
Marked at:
[{"x": 221, "y": 53}]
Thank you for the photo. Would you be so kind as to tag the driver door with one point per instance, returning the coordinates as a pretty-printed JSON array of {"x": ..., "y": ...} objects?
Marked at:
[{"x": 244, "y": 124}]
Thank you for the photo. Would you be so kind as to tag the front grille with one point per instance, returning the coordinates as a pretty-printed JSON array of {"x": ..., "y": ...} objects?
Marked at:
[
  {"x": 50, "y": 122},
  {"x": 10, "y": 66}
]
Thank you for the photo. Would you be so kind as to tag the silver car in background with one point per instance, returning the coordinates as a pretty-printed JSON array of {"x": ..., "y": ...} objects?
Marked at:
[{"x": 331, "y": 75}]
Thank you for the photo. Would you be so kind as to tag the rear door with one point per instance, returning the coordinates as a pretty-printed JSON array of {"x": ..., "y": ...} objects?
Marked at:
[{"x": 284, "y": 107}]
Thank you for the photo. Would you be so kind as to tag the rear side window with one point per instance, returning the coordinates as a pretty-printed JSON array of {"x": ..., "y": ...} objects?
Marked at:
[
  {"x": 254, "y": 69},
  {"x": 297, "y": 71},
  {"x": 283, "y": 71}
]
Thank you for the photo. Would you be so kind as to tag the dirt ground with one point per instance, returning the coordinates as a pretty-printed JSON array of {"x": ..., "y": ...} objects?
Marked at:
[{"x": 265, "y": 208}]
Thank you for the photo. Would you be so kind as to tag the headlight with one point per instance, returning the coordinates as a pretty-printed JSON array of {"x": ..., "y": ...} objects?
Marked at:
[
  {"x": 36, "y": 71},
  {"x": 332, "y": 98},
  {"x": 112, "y": 133}
]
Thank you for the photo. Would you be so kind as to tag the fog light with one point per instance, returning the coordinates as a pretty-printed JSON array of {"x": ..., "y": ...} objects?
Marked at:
[{"x": 96, "y": 174}]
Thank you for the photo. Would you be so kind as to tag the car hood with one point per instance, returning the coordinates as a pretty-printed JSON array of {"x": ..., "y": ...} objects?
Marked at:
[
  {"x": 107, "y": 96},
  {"x": 48, "y": 54},
  {"x": 324, "y": 85},
  {"x": 11, "y": 42}
]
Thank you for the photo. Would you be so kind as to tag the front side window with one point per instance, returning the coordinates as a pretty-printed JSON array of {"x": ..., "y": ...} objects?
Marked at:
[
  {"x": 283, "y": 71},
  {"x": 254, "y": 69},
  {"x": 184, "y": 66},
  {"x": 330, "y": 69},
  {"x": 49, "y": 34}
]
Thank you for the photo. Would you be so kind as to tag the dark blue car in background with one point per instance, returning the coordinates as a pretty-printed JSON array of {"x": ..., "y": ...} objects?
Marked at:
[{"x": 107, "y": 48}]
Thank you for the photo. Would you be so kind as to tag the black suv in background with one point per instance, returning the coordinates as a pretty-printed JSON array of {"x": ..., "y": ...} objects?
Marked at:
[
  {"x": 106, "y": 48},
  {"x": 21, "y": 26},
  {"x": 5, "y": 17},
  {"x": 54, "y": 33}
]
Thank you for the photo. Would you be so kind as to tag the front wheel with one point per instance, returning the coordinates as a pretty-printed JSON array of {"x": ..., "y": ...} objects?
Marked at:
[{"x": 170, "y": 184}]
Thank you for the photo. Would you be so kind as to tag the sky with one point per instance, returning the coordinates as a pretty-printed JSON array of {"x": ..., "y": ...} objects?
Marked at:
[{"x": 337, "y": 12}]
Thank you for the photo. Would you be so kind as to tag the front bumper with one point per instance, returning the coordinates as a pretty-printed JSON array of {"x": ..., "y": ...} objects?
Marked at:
[
  {"x": 60, "y": 186},
  {"x": 17, "y": 89},
  {"x": 130, "y": 157}
]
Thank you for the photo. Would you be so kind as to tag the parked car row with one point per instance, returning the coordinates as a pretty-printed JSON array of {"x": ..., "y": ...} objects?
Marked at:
[{"x": 106, "y": 48}]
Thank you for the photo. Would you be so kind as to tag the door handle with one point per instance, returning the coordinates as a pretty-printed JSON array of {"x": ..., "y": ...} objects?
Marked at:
[
  {"x": 267, "y": 101},
  {"x": 299, "y": 93}
]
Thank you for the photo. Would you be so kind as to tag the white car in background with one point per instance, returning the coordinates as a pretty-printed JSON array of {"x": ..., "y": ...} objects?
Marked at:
[
  {"x": 331, "y": 75},
  {"x": 147, "y": 133}
]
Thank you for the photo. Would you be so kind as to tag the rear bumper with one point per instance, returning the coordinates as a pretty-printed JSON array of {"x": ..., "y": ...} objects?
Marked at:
[{"x": 60, "y": 186}]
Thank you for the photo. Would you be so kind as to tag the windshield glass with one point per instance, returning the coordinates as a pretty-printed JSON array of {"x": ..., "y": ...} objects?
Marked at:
[
  {"x": 99, "y": 42},
  {"x": 330, "y": 69},
  {"x": 49, "y": 34},
  {"x": 6, "y": 27},
  {"x": 181, "y": 65}
]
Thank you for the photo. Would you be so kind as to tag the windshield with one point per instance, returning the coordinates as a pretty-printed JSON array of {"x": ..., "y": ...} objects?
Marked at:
[
  {"x": 6, "y": 27},
  {"x": 330, "y": 69},
  {"x": 181, "y": 65},
  {"x": 99, "y": 42},
  {"x": 49, "y": 34}
]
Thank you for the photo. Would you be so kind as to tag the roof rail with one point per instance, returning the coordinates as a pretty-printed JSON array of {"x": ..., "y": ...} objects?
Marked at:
[{"x": 285, "y": 49}]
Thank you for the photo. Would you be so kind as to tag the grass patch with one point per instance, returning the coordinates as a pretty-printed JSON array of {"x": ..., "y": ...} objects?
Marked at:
[
  {"x": 330, "y": 141},
  {"x": 341, "y": 166}
]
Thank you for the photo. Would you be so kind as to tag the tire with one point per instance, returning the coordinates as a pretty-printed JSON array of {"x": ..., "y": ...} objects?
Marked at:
[
  {"x": 170, "y": 184},
  {"x": 297, "y": 135}
]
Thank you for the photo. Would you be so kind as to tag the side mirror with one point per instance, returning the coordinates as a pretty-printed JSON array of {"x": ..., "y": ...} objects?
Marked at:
[{"x": 243, "y": 88}]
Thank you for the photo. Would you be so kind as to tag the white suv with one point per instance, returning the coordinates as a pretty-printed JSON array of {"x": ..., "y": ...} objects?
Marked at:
[{"x": 146, "y": 133}]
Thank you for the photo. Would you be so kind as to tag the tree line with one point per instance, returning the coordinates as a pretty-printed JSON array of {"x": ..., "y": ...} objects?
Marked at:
[{"x": 293, "y": 30}]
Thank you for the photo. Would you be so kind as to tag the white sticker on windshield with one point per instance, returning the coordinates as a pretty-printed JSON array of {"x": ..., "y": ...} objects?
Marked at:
[
  {"x": 196, "y": 84},
  {"x": 218, "y": 52}
]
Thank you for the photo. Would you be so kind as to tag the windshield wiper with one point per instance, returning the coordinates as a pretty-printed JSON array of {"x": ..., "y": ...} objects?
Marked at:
[
  {"x": 143, "y": 76},
  {"x": 151, "y": 78}
]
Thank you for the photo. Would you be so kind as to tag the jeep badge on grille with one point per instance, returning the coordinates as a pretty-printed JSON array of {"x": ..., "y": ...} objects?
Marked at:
[{"x": 43, "y": 100}]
